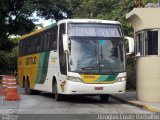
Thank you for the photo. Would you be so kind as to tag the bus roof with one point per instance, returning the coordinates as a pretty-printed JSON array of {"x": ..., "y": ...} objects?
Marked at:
[
  {"x": 88, "y": 21},
  {"x": 70, "y": 21},
  {"x": 37, "y": 31}
]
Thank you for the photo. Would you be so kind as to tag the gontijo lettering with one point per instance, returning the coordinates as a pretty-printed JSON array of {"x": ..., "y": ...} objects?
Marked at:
[{"x": 31, "y": 60}]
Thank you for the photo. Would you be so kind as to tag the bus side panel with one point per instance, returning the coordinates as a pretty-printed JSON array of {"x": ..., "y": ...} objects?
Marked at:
[
  {"x": 42, "y": 67},
  {"x": 49, "y": 71},
  {"x": 28, "y": 68}
]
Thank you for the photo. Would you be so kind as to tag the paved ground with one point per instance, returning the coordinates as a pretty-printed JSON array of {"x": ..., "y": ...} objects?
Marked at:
[
  {"x": 131, "y": 98},
  {"x": 74, "y": 106}
]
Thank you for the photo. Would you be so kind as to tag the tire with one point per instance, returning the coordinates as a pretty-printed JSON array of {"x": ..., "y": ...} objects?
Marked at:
[
  {"x": 27, "y": 87},
  {"x": 104, "y": 98},
  {"x": 29, "y": 91},
  {"x": 58, "y": 97}
]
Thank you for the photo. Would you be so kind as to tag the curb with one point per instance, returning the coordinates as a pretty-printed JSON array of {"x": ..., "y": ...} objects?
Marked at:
[{"x": 142, "y": 106}]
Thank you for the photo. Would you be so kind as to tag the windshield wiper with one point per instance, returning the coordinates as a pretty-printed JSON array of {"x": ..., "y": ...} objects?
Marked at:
[{"x": 87, "y": 68}]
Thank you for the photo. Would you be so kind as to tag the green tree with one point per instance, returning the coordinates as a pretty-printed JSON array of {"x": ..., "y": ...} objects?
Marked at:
[
  {"x": 8, "y": 59},
  {"x": 15, "y": 16},
  {"x": 105, "y": 9},
  {"x": 15, "y": 19}
]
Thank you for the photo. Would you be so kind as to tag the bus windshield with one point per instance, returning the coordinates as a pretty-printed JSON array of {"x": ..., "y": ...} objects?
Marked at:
[{"x": 96, "y": 55}]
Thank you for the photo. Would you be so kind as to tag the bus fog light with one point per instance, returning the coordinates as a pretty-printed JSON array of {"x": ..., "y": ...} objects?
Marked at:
[
  {"x": 74, "y": 79},
  {"x": 121, "y": 79}
]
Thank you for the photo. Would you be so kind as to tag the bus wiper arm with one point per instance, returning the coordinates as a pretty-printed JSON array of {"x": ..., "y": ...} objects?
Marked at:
[{"x": 87, "y": 68}]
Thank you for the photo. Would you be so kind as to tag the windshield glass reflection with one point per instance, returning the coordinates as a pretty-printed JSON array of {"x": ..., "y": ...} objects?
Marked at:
[{"x": 96, "y": 56}]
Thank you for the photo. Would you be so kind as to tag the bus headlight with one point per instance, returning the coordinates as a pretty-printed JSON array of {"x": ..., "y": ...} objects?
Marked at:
[
  {"x": 74, "y": 79},
  {"x": 121, "y": 79}
]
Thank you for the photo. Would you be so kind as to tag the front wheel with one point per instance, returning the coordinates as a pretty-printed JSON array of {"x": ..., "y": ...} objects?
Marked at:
[
  {"x": 58, "y": 97},
  {"x": 104, "y": 98}
]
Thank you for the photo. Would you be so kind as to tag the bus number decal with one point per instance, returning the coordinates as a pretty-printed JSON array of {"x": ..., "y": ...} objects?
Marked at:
[
  {"x": 89, "y": 77},
  {"x": 53, "y": 59}
]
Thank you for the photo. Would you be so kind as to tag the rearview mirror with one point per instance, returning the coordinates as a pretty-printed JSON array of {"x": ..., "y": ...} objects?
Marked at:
[
  {"x": 131, "y": 45},
  {"x": 65, "y": 42}
]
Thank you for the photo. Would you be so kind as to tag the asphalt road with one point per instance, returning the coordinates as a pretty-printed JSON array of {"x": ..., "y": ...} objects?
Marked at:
[{"x": 44, "y": 106}]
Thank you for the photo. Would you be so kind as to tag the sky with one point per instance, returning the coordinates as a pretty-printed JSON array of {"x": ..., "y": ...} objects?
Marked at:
[
  {"x": 42, "y": 20},
  {"x": 39, "y": 21}
]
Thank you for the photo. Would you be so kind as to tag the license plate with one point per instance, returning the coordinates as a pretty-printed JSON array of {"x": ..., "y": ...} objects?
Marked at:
[{"x": 98, "y": 88}]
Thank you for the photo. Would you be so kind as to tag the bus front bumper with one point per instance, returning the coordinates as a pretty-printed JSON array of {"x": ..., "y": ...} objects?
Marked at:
[{"x": 91, "y": 89}]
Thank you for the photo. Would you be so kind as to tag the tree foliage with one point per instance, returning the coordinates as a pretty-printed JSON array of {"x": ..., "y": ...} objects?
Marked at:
[
  {"x": 105, "y": 9},
  {"x": 16, "y": 19},
  {"x": 15, "y": 16}
]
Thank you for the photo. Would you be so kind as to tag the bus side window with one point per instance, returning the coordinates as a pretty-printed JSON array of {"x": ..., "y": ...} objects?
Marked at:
[
  {"x": 25, "y": 47},
  {"x": 62, "y": 55},
  {"x": 45, "y": 41},
  {"x": 53, "y": 39},
  {"x": 41, "y": 44},
  {"x": 37, "y": 44},
  {"x": 48, "y": 39},
  {"x": 32, "y": 45},
  {"x": 29, "y": 46},
  {"x": 20, "y": 48}
]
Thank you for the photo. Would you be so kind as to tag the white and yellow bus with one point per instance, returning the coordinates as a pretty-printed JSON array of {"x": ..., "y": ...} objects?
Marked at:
[{"x": 75, "y": 57}]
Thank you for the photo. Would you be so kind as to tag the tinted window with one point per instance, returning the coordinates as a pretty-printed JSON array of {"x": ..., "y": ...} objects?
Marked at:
[
  {"x": 62, "y": 55},
  {"x": 153, "y": 42},
  {"x": 53, "y": 39},
  {"x": 44, "y": 41}
]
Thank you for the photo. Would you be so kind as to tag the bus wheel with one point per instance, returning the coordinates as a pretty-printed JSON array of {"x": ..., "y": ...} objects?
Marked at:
[
  {"x": 104, "y": 98},
  {"x": 27, "y": 87},
  {"x": 58, "y": 97}
]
